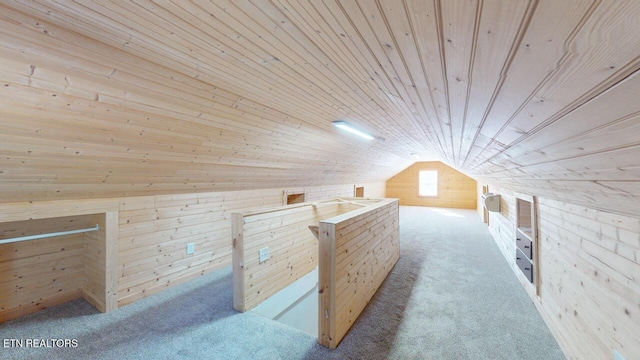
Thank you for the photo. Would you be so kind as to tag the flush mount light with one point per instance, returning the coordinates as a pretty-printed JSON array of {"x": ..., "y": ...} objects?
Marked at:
[
  {"x": 415, "y": 156},
  {"x": 347, "y": 127}
]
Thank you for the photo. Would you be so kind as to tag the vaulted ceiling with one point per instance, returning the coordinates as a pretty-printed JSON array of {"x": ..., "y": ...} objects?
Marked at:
[{"x": 113, "y": 98}]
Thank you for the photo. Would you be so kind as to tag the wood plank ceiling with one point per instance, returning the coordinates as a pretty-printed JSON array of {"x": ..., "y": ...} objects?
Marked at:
[{"x": 120, "y": 98}]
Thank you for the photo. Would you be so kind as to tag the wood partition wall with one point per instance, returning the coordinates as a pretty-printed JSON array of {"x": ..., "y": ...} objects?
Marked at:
[
  {"x": 293, "y": 249},
  {"x": 356, "y": 247}
]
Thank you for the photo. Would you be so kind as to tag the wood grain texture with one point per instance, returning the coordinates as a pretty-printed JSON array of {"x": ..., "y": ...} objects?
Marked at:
[
  {"x": 455, "y": 189},
  {"x": 145, "y": 99},
  {"x": 155, "y": 230},
  {"x": 293, "y": 248},
  {"x": 45, "y": 272},
  {"x": 138, "y": 251},
  {"x": 358, "y": 249},
  {"x": 37, "y": 274},
  {"x": 148, "y": 98},
  {"x": 589, "y": 263}
]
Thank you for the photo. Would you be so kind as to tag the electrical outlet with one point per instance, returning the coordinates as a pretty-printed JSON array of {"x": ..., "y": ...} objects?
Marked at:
[
  {"x": 616, "y": 355},
  {"x": 191, "y": 248},
  {"x": 263, "y": 254}
]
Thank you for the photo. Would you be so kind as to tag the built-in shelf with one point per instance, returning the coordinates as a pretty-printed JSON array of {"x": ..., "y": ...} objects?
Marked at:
[{"x": 526, "y": 237}]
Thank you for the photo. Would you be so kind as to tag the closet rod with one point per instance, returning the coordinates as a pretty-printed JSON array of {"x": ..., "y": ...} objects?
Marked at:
[{"x": 43, "y": 236}]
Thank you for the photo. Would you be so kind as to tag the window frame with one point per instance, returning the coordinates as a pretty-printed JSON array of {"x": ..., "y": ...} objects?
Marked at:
[{"x": 437, "y": 183}]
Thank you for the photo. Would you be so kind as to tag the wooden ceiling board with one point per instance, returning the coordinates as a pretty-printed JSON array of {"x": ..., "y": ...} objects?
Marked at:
[
  {"x": 126, "y": 98},
  {"x": 599, "y": 55}
]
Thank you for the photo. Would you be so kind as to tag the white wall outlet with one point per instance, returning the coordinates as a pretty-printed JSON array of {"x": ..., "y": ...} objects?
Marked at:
[
  {"x": 263, "y": 254},
  {"x": 191, "y": 248},
  {"x": 616, "y": 355}
]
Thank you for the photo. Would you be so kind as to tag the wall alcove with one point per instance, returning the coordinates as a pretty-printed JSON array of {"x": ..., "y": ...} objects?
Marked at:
[{"x": 51, "y": 258}]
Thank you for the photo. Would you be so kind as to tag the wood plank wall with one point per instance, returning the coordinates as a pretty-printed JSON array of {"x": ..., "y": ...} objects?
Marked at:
[
  {"x": 122, "y": 123},
  {"x": 455, "y": 190},
  {"x": 293, "y": 249},
  {"x": 155, "y": 230},
  {"x": 589, "y": 271},
  {"x": 147, "y": 248},
  {"x": 357, "y": 252},
  {"x": 374, "y": 190}
]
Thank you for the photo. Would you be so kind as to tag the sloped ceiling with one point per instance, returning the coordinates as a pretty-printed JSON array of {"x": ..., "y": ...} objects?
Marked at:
[{"x": 111, "y": 98}]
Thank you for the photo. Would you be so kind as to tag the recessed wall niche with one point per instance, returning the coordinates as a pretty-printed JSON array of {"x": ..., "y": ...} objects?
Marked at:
[{"x": 526, "y": 238}]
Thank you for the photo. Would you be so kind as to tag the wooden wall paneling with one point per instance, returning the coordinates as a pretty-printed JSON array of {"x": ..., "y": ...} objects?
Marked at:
[
  {"x": 47, "y": 209},
  {"x": 587, "y": 166},
  {"x": 160, "y": 38},
  {"x": 328, "y": 192},
  {"x": 292, "y": 246},
  {"x": 322, "y": 68},
  {"x": 590, "y": 270},
  {"x": 588, "y": 260},
  {"x": 160, "y": 152},
  {"x": 275, "y": 226},
  {"x": 454, "y": 188},
  {"x": 152, "y": 249},
  {"x": 591, "y": 193},
  {"x": 135, "y": 83},
  {"x": 162, "y": 80},
  {"x": 355, "y": 35},
  {"x": 111, "y": 260},
  {"x": 154, "y": 231},
  {"x": 357, "y": 251},
  {"x": 375, "y": 190},
  {"x": 39, "y": 277}
]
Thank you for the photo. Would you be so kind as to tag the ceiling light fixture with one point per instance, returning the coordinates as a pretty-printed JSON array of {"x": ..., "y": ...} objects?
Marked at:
[
  {"x": 347, "y": 127},
  {"x": 415, "y": 156}
]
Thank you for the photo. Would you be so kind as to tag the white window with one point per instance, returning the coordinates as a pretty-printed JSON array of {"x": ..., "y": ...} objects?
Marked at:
[{"x": 428, "y": 183}]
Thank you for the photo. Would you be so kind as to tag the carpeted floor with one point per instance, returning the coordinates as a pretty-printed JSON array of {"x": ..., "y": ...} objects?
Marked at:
[{"x": 450, "y": 296}]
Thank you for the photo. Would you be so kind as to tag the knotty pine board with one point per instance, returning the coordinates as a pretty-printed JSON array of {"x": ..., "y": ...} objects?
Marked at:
[
  {"x": 589, "y": 266},
  {"x": 152, "y": 98},
  {"x": 155, "y": 230},
  {"x": 357, "y": 251},
  {"x": 293, "y": 249},
  {"x": 145, "y": 254},
  {"x": 40, "y": 273},
  {"x": 247, "y": 117},
  {"x": 455, "y": 190}
]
